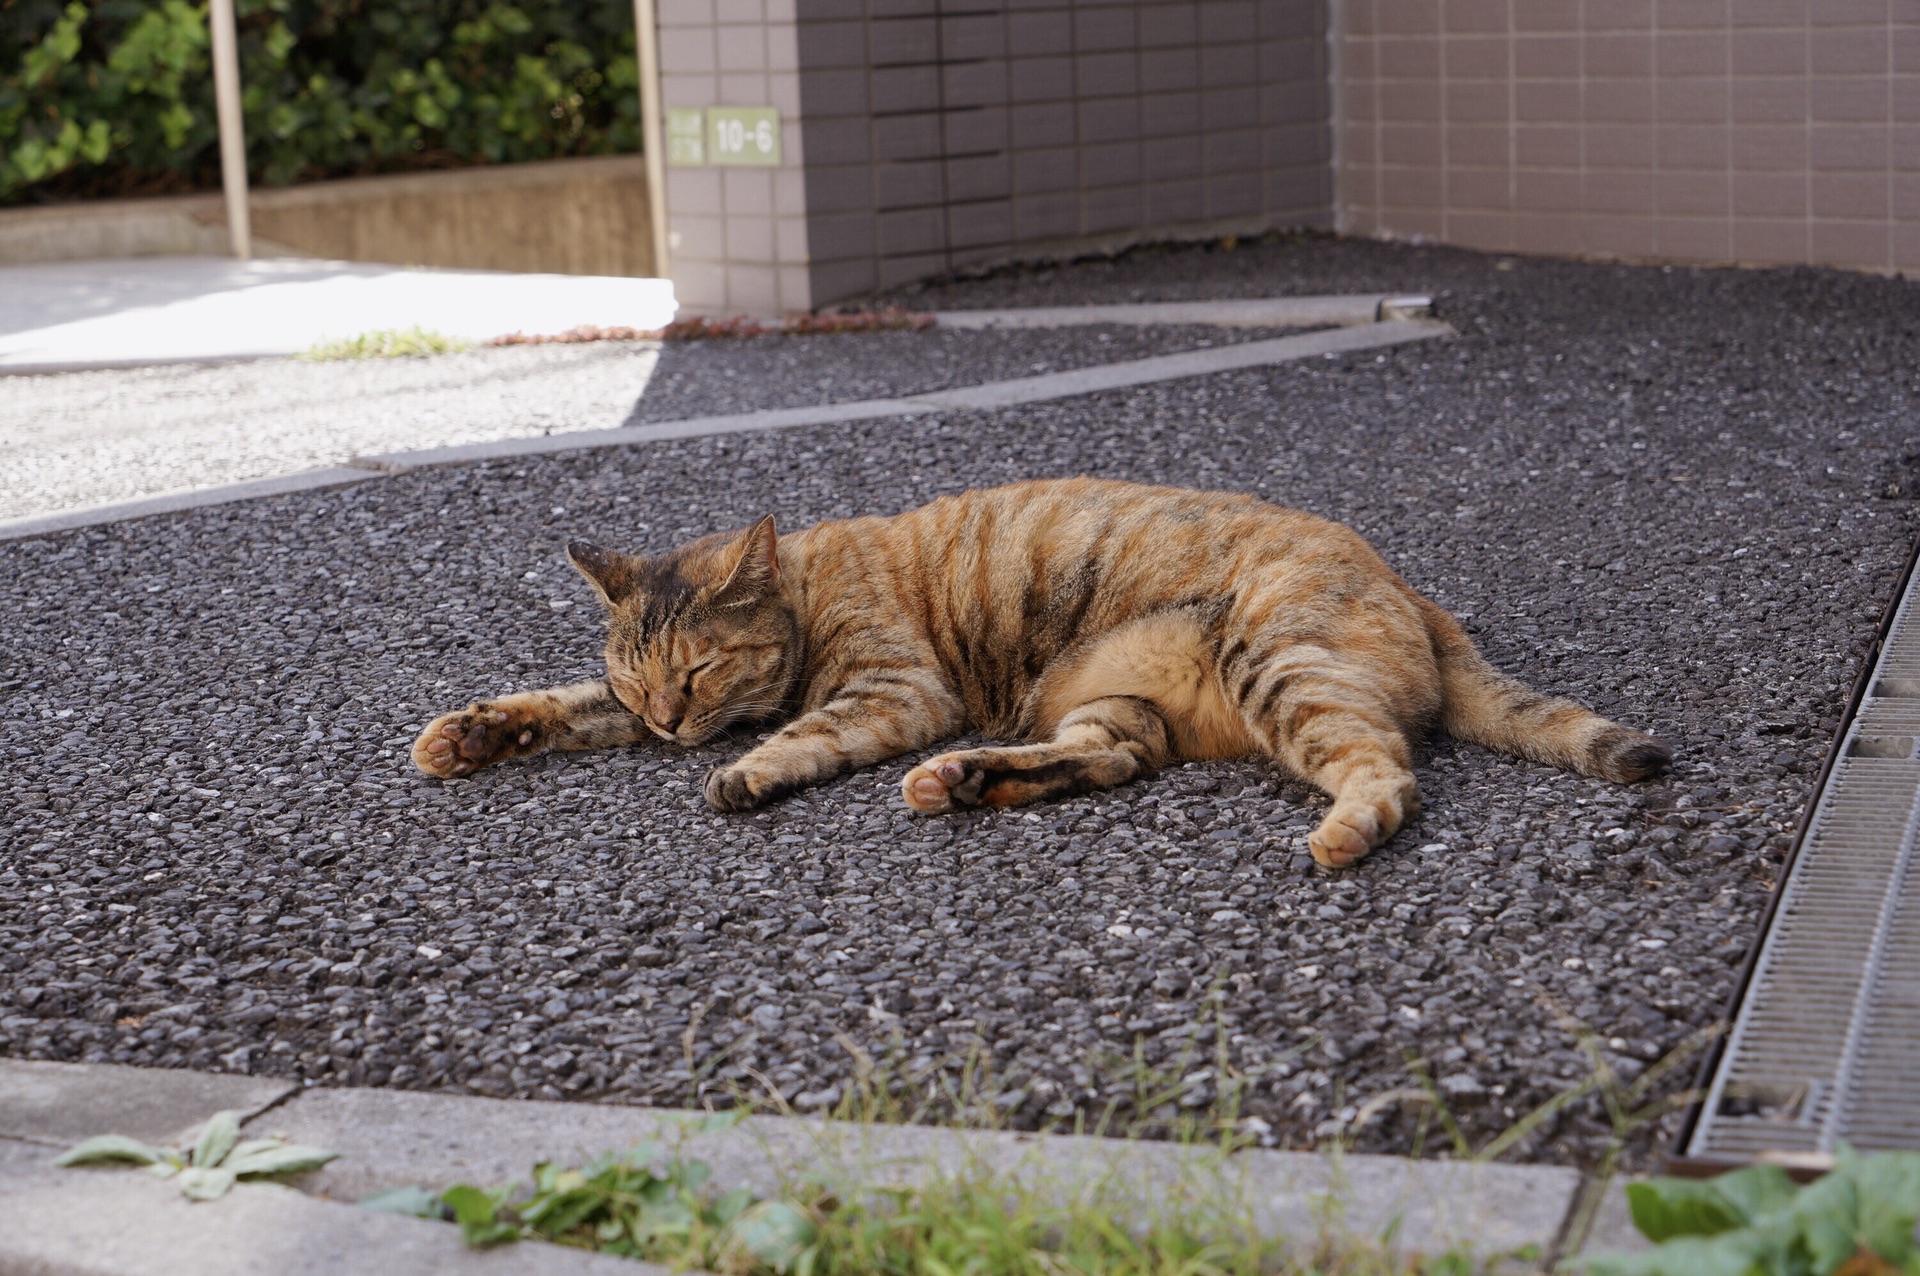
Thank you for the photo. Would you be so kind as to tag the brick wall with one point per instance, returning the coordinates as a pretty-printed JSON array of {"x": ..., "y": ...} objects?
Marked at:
[{"x": 1755, "y": 131}]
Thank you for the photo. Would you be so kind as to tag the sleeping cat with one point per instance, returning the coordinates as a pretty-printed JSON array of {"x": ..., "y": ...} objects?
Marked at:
[{"x": 1113, "y": 627}]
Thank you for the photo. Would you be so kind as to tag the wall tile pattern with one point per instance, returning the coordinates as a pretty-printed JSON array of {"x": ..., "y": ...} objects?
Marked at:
[
  {"x": 1753, "y": 131},
  {"x": 925, "y": 135},
  {"x": 944, "y": 133},
  {"x": 737, "y": 237}
]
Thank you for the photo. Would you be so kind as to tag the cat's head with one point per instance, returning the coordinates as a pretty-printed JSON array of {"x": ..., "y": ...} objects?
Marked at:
[{"x": 698, "y": 639}]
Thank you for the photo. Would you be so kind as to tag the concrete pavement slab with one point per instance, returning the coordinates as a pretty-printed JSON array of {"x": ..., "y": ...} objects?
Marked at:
[
  {"x": 392, "y": 1138},
  {"x": 133, "y": 311},
  {"x": 59, "y": 1104},
  {"x": 120, "y": 1222}
]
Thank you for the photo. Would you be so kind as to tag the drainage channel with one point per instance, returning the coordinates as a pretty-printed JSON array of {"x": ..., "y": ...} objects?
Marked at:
[{"x": 1825, "y": 1046}]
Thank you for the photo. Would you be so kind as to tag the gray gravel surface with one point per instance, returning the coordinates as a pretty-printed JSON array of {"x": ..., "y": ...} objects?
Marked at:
[
  {"x": 90, "y": 438},
  {"x": 1680, "y": 495}
]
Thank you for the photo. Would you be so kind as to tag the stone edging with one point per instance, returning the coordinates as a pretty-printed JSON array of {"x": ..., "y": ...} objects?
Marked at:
[
  {"x": 113, "y": 1221},
  {"x": 986, "y": 397}
]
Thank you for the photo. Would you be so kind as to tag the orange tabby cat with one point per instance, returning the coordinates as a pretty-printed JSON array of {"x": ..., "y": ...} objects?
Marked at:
[{"x": 1116, "y": 627}]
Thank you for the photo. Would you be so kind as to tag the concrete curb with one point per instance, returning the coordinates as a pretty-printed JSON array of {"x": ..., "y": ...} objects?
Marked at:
[
  {"x": 174, "y": 502},
  {"x": 118, "y": 1222},
  {"x": 693, "y": 427},
  {"x": 1253, "y": 312},
  {"x": 73, "y": 1221},
  {"x": 58, "y": 1104},
  {"x": 987, "y": 397},
  {"x": 991, "y": 395},
  {"x": 1173, "y": 367}
]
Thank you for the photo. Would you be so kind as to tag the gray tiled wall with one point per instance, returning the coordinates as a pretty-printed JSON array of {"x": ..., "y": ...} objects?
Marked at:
[
  {"x": 925, "y": 135},
  {"x": 1754, "y": 131},
  {"x": 737, "y": 237},
  {"x": 947, "y": 133}
]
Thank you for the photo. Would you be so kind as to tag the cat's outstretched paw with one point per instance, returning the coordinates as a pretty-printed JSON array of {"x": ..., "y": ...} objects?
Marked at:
[
  {"x": 1345, "y": 836},
  {"x": 741, "y": 788},
  {"x": 946, "y": 783},
  {"x": 460, "y": 743}
]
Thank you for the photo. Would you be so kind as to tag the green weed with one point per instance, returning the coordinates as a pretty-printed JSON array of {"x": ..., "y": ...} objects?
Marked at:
[
  {"x": 977, "y": 1220},
  {"x": 218, "y": 1158},
  {"x": 1857, "y": 1220},
  {"x": 386, "y": 343}
]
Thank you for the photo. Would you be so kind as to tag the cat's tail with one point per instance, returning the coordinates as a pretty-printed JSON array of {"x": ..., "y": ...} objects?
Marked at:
[{"x": 1484, "y": 706}]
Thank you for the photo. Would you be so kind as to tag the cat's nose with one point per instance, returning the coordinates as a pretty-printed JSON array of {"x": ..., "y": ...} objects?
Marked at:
[{"x": 671, "y": 725}]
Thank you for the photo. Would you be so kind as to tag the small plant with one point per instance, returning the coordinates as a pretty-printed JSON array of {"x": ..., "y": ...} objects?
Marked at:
[
  {"x": 387, "y": 343},
  {"x": 212, "y": 1165},
  {"x": 699, "y": 328},
  {"x": 648, "y": 1205},
  {"x": 1857, "y": 1220}
]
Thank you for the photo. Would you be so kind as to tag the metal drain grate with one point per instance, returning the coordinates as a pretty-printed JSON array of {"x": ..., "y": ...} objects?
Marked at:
[{"x": 1825, "y": 1047}]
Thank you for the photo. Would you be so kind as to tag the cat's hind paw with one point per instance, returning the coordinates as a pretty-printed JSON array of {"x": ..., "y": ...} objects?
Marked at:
[
  {"x": 460, "y": 743},
  {"x": 946, "y": 783}
]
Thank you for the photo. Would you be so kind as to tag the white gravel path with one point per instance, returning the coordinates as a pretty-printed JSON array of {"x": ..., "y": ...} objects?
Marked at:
[{"x": 88, "y": 438}]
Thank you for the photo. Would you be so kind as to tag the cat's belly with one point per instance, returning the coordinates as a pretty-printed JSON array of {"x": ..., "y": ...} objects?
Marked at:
[
  {"x": 1211, "y": 727},
  {"x": 1165, "y": 659}
]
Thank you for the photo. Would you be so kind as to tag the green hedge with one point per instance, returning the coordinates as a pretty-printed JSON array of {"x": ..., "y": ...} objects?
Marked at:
[{"x": 115, "y": 97}]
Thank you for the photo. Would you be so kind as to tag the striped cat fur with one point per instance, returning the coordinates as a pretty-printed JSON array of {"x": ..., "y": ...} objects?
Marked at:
[{"x": 1110, "y": 627}]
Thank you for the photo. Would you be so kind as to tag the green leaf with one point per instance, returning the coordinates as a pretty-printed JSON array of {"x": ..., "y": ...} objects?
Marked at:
[
  {"x": 1664, "y": 1208},
  {"x": 478, "y": 1215},
  {"x": 246, "y": 1147},
  {"x": 1826, "y": 1217},
  {"x": 1757, "y": 1192},
  {"x": 205, "y": 1183},
  {"x": 284, "y": 1158},
  {"x": 772, "y": 1233},
  {"x": 1740, "y": 1253},
  {"x": 731, "y": 1206},
  {"x": 642, "y": 1155},
  {"x": 414, "y": 1202},
  {"x": 720, "y": 1122},
  {"x": 217, "y": 1138},
  {"x": 112, "y": 1147},
  {"x": 1889, "y": 1187}
]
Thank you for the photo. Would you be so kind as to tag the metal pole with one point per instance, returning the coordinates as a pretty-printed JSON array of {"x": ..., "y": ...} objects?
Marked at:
[
  {"x": 653, "y": 139},
  {"x": 233, "y": 140}
]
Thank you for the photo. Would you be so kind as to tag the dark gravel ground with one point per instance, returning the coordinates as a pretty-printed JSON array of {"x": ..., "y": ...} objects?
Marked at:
[
  {"x": 698, "y": 378},
  {"x": 1681, "y": 495}
]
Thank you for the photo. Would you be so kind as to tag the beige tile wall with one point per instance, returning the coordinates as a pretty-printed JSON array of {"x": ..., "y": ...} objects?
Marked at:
[{"x": 1754, "y": 131}]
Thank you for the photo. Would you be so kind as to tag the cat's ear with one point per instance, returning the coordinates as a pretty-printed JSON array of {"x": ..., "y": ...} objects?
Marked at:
[
  {"x": 756, "y": 570},
  {"x": 609, "y": 571}
]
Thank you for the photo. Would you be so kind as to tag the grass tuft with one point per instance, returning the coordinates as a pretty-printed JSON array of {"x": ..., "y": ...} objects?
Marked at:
[{"x": 386, "y": 343}]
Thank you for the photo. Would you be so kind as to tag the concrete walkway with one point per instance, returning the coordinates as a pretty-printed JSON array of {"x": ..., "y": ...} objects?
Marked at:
[
  {"x": 134, "y": 311},
  {"x": 386, "y": 1139}
]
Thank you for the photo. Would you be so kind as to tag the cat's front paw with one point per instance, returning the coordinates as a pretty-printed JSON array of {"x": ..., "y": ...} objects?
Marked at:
[
  {"x": 460, "y": 743},
  {"x": 946, "y": 783},
  {"x": 741, "y": 788},
  {"x": 1345, "y": 836}
]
